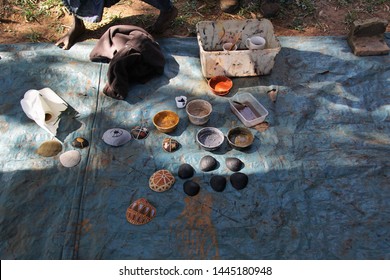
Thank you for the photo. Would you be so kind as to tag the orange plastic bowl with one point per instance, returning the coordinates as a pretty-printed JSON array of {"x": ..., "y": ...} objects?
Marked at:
[{"x": 220, "y": 85}]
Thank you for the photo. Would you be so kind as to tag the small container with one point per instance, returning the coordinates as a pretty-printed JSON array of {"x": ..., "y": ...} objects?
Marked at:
[
  {"x": 220, "y": 85},
  {"x": 198, "y": 111},
  {"x": 248, "y": 109},
  {"x": 240, "y": 137},
  {"x": 210, "y": 138},
  {"x": 166, "y": 121}
]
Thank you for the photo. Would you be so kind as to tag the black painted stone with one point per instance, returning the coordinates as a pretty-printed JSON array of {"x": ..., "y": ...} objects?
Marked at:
[
  {"x": 80, "y": 143},
  {"x": 185, "y": 171},
  {"x": 239, "y": 180},
  {"x": 191, "y": 188},
  {"x": 218, "y": 183},
  {"x": 234, "y": 164},
  {"x": 207, "y": 163}
]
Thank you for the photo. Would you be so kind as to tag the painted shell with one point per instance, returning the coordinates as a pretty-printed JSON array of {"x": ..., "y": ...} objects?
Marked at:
[
  {"x": 70, "y": 158},
  {"x": 161, "y": 180},
  {"x": 140, "y": 212},
  {"x": 49, "y": 148},
  {"x": 139, "y": 132},
  {"x": 170, "y": 145},
  {"x": 80, "y": 143},
  {"x": 116, "y": 137}
]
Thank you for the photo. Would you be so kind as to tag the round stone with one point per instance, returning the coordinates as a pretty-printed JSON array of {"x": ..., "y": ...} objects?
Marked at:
[
  {"x": 80, "y": 143},
  {"x": 234, "y": 164},
  {"x": 140, "y": 212},
  {"x": 139, "y": 132},
  {"x": 170, "y": 145},
  {"x": 161, "y": 180},
  {"x": 208, "y": 163},
  {"x": 49, "y": 148},
  {"x": 239, "y": 180},
  {"x": 70, "y": 158},
  {"x": 191, "y": 188},
  {"x": 116, "y": 137},
  {"x": 186, "y": 171},
  {"x": 218, "y": 183}
]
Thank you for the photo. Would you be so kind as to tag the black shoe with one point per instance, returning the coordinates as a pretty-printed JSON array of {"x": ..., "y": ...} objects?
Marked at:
[
  {"x": 229, "y": 6},
  {"x": 164, "y": 20}
]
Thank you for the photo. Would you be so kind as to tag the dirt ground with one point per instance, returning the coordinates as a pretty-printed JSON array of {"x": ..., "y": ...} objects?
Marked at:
[{"x": 296, "y": 18}]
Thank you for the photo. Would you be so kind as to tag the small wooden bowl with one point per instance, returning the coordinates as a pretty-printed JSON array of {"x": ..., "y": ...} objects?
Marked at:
[
  {"x": 166, "y": 121},
  {"x": 220, "y": 85},
  {"x": 240, "y": 137}
]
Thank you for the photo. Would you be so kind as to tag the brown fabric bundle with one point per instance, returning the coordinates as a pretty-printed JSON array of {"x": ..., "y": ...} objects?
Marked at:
[{"x": 133, "y": 55}]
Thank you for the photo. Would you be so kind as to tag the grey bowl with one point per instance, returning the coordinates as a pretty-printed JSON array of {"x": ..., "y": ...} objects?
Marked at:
[{"x": 210, "y": 138}]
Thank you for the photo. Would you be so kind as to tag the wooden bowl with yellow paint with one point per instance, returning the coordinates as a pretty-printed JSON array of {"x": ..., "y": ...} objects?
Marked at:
[{"x": 166, "y": 121}]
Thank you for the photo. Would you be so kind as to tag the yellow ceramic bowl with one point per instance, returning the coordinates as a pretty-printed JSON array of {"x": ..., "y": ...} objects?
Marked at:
[{"x": 166, "y": 121}]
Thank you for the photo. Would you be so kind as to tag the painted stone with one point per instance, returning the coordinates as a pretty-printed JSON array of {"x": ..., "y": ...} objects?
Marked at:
[
  {"x": 70, "y": 158},
  {"x": 140, "y": 212},
  {"x": 239, "y": 180},
  {"x": 49, "y": 148},
  {"x": 191, "y": 188},
  {"x": 186, "y": 171},
  {"x": 208, "y": 163},
  {"x": 116, "y": 137},
  {"x": 139, "y": 133},
  {"x": 218, "y": 183},
  {"x": 234, "y": 164},
  {"x": 170, "y": 145},
  {"x": 80, "y": 143},
  {"x": 161, "y": 180}
]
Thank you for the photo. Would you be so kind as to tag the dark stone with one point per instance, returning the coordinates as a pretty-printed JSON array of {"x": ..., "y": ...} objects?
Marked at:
[
  {"x": 191, "y": 188},
  {"x": 80, "y": 143},
  {"x": 185, "y": 171},
  {"x": 368, "y": 37},
  {"x": 208, "y": 163},
  {"x": 270, "y": 9},
  {"x": 218, "y": 183},
  {"x": 239, "y": 180},
  {"x": 234, "y": 164}
]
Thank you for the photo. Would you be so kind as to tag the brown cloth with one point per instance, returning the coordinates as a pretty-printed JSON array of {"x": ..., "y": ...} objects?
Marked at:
[{"x": 133, "y": 54}]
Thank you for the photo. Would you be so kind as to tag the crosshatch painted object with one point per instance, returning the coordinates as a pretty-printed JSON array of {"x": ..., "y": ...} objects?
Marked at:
[{"x": 212, "y": 35}]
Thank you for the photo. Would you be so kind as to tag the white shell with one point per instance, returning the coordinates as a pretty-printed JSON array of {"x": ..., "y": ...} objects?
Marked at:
[
  {"x": 116, "y": 137},
  {"x": 70, "y": 158}
]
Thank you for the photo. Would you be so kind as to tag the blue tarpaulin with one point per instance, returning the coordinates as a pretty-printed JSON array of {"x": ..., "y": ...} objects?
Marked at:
[{"x": 318, "y": 188}]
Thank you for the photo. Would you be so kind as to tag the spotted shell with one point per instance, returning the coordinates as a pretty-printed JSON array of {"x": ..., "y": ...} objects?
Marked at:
[
  {"x": 170, "y": 145},
  {"x": 161, "y": 180},
  {"x": 140, "y": 212}
]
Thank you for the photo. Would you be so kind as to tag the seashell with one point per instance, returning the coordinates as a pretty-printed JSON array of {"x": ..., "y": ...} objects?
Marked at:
[
  {"x": 139, "y": 132},
  {"x": 234, "y": 164},
  {"x": 208, "y": 163},
  {"x": 161, "y": 180},
  {"x": 239, "y": 180},
  {"x": 116, "y": 137},
  {"x": 70, "y": 158},
  {"x": 170, "y": 145},
  {"x": 185, "y": 171},
  {"x": 218, "y": 183},
  {"x": 49, "y": 148},
  {"x": 191, "y": 188},
  {"x": 80, "y": 143},
  {"x": 140, "y": 212}
]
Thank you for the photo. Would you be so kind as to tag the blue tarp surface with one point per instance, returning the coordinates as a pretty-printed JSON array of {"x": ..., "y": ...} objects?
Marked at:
[{"x": 319, "y": 176}]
